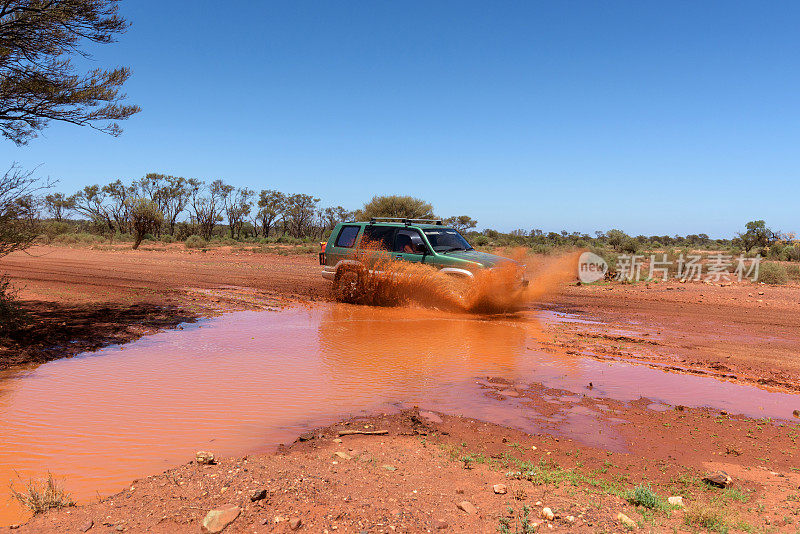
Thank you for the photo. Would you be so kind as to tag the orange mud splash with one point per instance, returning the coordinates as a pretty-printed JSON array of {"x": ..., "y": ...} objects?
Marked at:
[{"x": 391, "y": 282}]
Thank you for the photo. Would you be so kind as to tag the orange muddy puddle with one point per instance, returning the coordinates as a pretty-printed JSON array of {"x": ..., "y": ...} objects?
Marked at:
[{"x": 247, "y": 381}]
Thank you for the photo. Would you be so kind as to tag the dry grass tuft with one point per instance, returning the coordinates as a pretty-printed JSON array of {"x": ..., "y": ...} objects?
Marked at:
[{"x": 41, "y": 495}]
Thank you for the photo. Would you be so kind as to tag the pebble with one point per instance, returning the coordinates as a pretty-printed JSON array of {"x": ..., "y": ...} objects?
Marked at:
[
  {"x": 204, "y": 457},
  {"x": 440, "y": 525},
  {"x": 389, "y": 467},
  {"x": 626, "y": 521},
  {"x": 86, "y": 527},
  {"x": 468, "y": 507},
  {"x": 547, "y": 513},
  {"x": 500, "y": 489},
  {"x": 295, "y": 523},
  {"x": 676, "y": 501},
  {"x": 343, "y": 455},
  {"x": 215, "y": 521},
  {"x": 258, "y": 495}
]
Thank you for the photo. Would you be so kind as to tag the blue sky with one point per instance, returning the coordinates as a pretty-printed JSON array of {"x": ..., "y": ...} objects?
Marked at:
[{"x": 652, "y": 117}]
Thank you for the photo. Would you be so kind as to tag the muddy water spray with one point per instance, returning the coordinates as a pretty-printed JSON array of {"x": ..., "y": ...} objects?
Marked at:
[{"x": 391, "y": 282}]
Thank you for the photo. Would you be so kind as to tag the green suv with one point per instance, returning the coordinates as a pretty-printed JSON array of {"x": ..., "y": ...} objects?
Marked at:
[{"x": 425, "y": 241}]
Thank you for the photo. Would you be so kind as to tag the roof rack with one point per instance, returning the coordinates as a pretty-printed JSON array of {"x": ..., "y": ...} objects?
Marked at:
[{"x": 404, "y": 220}]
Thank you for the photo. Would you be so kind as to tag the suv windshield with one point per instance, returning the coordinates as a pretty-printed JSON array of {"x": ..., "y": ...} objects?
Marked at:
[{"x": 446, "y": 240}]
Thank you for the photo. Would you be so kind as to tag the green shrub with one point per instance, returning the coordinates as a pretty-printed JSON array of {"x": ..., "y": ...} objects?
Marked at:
[
  {"x": 79, "y": 238},
  {"x": 54, "y": 228},
  {"x": 644, "y": 496},
  {"x": 167, "y": 239},
  {"x": 773, "y": 273},
  {"x": 195, "y": 241},
  {"x": 630, "y": 245}
]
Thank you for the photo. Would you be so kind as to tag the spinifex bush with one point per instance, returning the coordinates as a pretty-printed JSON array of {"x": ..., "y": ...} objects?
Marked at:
[
  {"x": 773, "y": 273},
  {"x": 645, "y": 496},
  {"x": 195, "y": 241},
  {"x": 41, "y": 495}
]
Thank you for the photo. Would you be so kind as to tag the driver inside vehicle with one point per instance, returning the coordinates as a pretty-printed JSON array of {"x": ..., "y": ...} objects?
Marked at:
[{"x": 404, "y": 244}]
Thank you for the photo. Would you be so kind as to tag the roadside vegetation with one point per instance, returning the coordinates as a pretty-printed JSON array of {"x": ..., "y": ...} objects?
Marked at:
[{"x": 39, "y": 496}]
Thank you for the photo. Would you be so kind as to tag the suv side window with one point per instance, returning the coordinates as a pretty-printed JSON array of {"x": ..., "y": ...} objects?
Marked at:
[
  {"x": 409, "y": 242},
  {"x": 380, "y": 237},
  {"x": 347, "y": 236}
]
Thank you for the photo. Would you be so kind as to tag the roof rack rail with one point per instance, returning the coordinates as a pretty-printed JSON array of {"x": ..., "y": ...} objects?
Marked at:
[{"x": 404, "y": 220}]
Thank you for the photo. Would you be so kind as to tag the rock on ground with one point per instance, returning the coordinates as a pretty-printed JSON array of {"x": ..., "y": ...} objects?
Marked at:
[
  {"x": 720, "y": 479},
  {"x": 215, "y": 521},
  {"x": 626, "y": 521},
  {"x": 467, "y": 507}
]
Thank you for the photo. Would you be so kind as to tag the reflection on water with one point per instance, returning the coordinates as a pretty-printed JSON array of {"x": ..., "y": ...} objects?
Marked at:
[{"x": 247, "y": 381}]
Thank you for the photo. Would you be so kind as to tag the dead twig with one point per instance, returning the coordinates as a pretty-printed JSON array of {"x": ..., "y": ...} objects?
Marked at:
[{"x": 363, "y": 432}]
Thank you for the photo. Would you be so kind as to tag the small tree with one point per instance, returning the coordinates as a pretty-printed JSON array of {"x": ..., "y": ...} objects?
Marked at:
[
  {"x": 175, "y": 196},
  {"x": 756, "y": 235},
  {"x": 299, "y": 212},
  {"x": 462, "y": 223},
  {"x": 17, "y": 231},
  {"x": 271, "y": 205},
  {"x": 333, "y": 216},
  {"x": 58, "y": 205},
  {"x": 206, "y": 207},
  {"x": 396, "y": 206},
  {"x": 145, "y": 218},
  {"x": 118, "y": 205},
  {"x": 616, "y": 238},
  {"x": 17, "y": 188},
  {"x": 91, "y": 202},
  {"x": 237, "y": 207}
]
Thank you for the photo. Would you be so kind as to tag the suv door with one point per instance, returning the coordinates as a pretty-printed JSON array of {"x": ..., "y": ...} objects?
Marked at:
[{"x": 409, "y": 245}]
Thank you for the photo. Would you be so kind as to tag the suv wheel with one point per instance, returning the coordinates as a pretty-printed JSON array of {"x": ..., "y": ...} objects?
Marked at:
[{"x": 349, "y": 284}]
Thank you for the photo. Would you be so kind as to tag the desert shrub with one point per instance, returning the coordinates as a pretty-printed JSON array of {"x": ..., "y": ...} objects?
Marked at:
[
  {"x": 706, "y": 518},
  {"x": 167, "y": 239},
  {"x": 183, "y": 231},
  {"x": 792, "y": 253},
  {"x": 11, "y": 315},
  {"x": 773, "y": 273},
  {"x": 41, "y": 495},
  {"x": 289, "y": 240},
  {"x": 145, "y": 217},
  {"x": 52, "y": 229},
  {"x": 645, "y": 496},
  {"x": 775, "y": 251},
  {"x": 793, "y": 272},
  {"x": 195, "y": 241},
  {"x": 630, "y": 245},
  {"x": 78, "y": 238}
]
